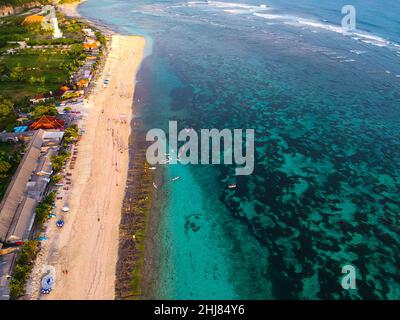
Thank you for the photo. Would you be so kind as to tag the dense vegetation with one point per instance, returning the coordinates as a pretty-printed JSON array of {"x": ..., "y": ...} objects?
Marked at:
[
  {"x": 44, "y": 208},
  {"x": 71, "y": 134},
  {"x": 8, "y": 116},
  {"x": 9, "y": 111},
  {"x": 68, "y": 1},
  {"x": 59, "y": 160},
  {"x": 32, "y": 63},
  {"x": 10, "y": 156},
  {"x": 17, "y": 3},
  {"x": 23, "y": 268},
  {"x": 32, "y": 71}
]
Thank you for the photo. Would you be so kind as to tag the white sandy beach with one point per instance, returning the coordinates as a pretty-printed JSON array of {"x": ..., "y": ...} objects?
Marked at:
[
  {"x": 85, "y": 251},
  {"x": 70, "y": 9}
]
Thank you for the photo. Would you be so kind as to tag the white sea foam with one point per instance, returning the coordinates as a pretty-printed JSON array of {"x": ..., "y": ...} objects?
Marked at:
[
  {"x": 274, "y": 16},
  {"x": 236, "y": 11},
  {"x": 373, "y": 39},
  {"x": 358, "y": 52},
  {"x": 264, "y": 11},
  {"x": 320, "y": 25},
  {"x": 229, "y": 5},
  {"x": 358, "y": 35}
]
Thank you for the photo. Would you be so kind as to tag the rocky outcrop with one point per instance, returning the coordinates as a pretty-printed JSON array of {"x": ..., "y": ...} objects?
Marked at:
[{"x": 9, "y": 10}]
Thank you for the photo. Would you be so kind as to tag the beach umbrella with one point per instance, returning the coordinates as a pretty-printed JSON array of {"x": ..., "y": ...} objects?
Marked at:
[
  {"x": 65, "y": 209},
  {"x": 60, "y": 223}
]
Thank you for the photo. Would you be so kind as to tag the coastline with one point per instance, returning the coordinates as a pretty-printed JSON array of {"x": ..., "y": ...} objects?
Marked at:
[
  {"x": 71, "y": 10},
  {"x": 87, "y": 247},
  {"x": 152, "y": 250},
  {"x": 136, "y": 221}
]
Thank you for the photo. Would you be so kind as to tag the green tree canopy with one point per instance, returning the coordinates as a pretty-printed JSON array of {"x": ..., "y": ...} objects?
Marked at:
[
  {"x": 17, "y": 73},
  {"x": 44, "y": 109},
  {"x": 6, "y": 107},
  {"x": 71, "y": 134},
  {"x": 5, "y": 166}
]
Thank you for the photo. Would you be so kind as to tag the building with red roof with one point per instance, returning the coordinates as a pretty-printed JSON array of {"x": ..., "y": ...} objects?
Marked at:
[{"x": 47, "y": 122}]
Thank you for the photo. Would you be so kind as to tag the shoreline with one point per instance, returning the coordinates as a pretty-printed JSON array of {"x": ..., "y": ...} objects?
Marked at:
[
  {"x": 136, "y": 214},
  {"x": 71, "y": 10},
  {"x": 136, "y": 264},
  {"x": 152, "y": 248},
  {"x": 85, "y": 252}
]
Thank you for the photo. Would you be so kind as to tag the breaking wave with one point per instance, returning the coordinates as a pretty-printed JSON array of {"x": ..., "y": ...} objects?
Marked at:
[{"x": 265, "y": 12}]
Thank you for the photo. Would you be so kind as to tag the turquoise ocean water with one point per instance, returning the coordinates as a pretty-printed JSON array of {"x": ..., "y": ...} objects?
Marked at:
[{"x": 326, "y": 112}]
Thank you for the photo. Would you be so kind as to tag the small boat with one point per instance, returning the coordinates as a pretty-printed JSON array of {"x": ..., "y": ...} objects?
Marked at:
[
  {"x": 232, "y": 186},
  {"x": 176, "y": 178},
  {"x": 155, "y": 186},
  {"x": 152, "y": 168}
]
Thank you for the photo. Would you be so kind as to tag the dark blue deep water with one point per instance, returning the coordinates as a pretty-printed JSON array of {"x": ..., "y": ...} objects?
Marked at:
[{"x": 326, "y": 112}]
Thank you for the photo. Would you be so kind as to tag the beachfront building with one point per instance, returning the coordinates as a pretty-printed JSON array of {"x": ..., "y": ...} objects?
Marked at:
[
  {"x": 27, "y": 188},
  {"x": 82, "y": 83},
  {"x": 39, "y": 98},
  {"x": 56, "y": 30},
  {"x": 47, "y": 19},
  {"x": 33, "y": 19},
  {"x": 72, "y": 93},
  {"x": 89, "y": 33},
  {"x": 47, "y": 122},
  {"x": 92, "y": 46}
]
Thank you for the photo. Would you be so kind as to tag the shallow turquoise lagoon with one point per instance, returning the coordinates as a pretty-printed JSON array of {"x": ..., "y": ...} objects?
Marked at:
[{"x": 326, "y": 111}]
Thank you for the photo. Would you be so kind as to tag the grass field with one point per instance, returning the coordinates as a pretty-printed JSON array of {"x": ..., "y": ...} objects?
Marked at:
[
  {"x": 18, "y": 90},
  {"x": 42, "y": 71},
  {"x": 11, "y": 29},
  {"x": 49, "y": 67}
]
